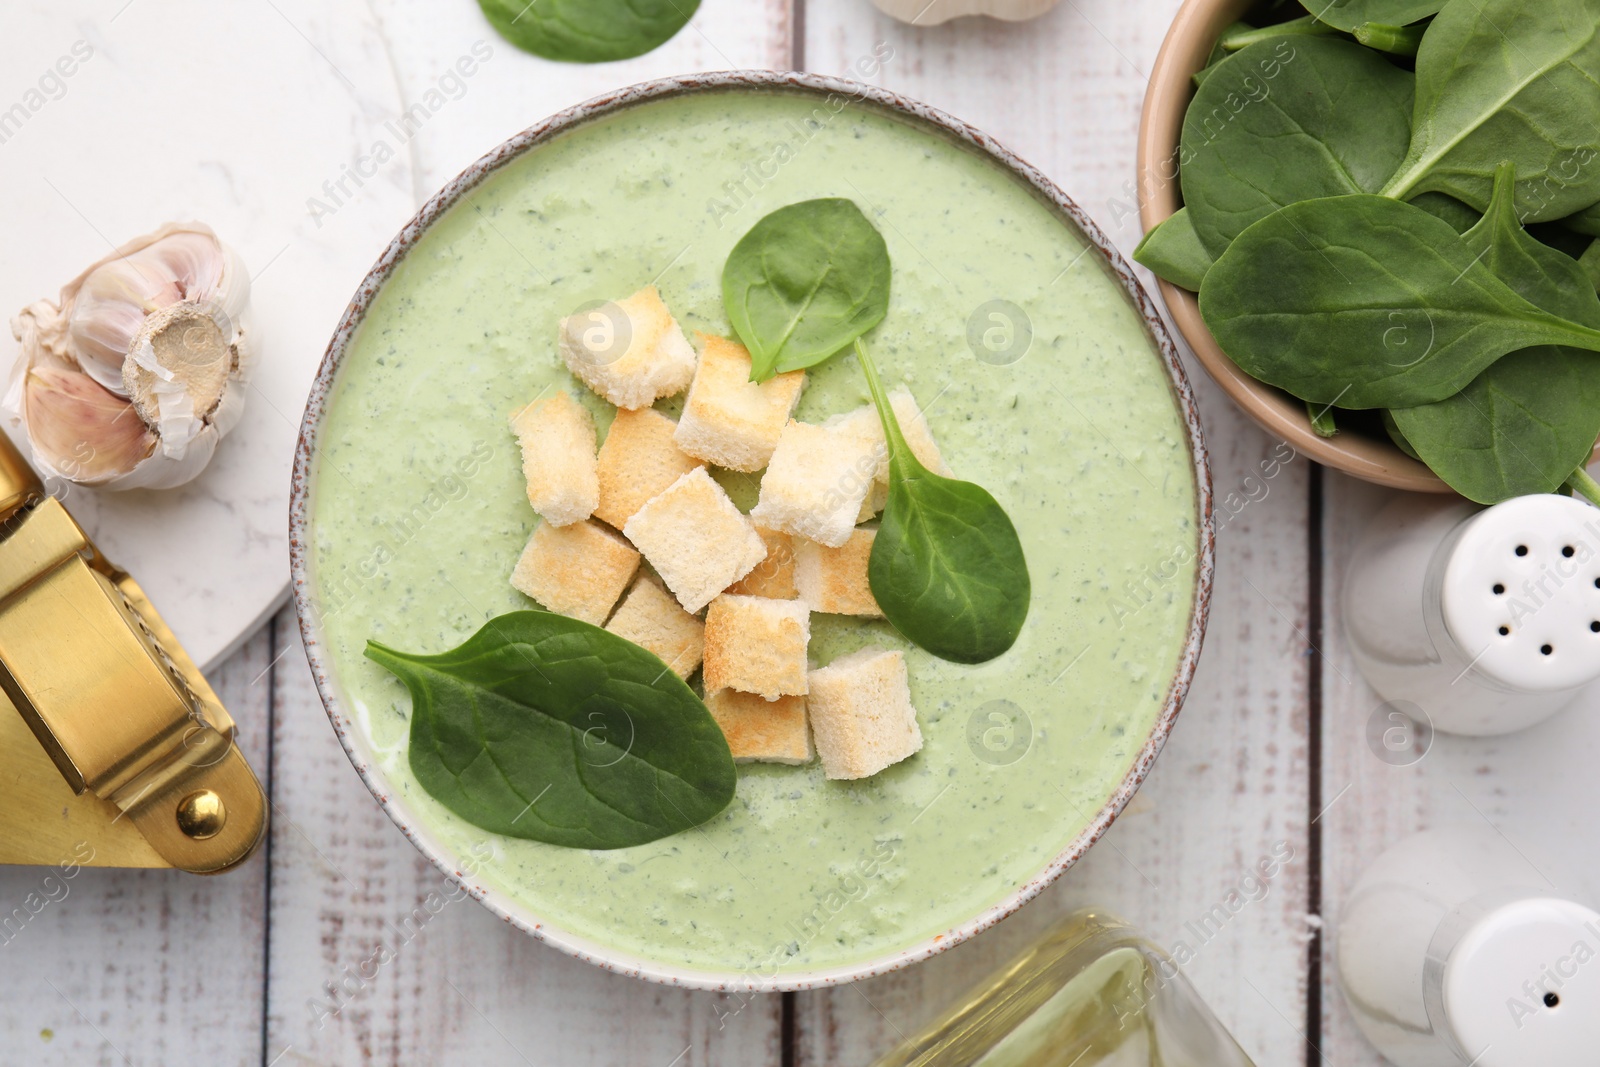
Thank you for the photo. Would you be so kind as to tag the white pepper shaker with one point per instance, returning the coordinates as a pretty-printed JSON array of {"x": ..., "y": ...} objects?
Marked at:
[
  {"x": 1454, "y": 949},
  {"x": 1487, "y": 619}
]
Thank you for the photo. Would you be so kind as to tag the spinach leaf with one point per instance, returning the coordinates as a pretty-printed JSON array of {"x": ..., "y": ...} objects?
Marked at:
[
  {"x": 1523, "y": 424},
  {"x": 544, "y": 727},
  {"x": 1504, "y": 79},
  {"x": 1590, "y": 262},
  {"x": 1279, "y": 123},
  {"x": 1460, "y": 216},
  {"x": 1585, "y": 222},
  {"x": 804, "y": 282},
  {"x": 588, "y": 31},
  {"x": 946, "y": 568},
  {"x": 1351, "y": 15},
  {"x": 1364, "y": 301},
  {"x": 1173, "y": 250},
  {"x": 1520, "y": 427}
]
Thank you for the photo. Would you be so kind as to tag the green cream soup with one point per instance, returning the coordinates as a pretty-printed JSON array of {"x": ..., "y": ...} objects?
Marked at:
[{"x": 419, "y": 512}]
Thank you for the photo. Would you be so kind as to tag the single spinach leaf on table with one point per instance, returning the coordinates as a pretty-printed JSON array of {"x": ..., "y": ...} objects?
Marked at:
[
  {"x": 1508, "y": 80},
  {"x": 1527, "y": 421},
  {"x": 1173, "y": 250},
  {"x": 804, "y": 282},
  {"x": 1282, "y": 122},
  {"x": 946, "y": 568},
  {"x": 588, "y": 31},
  {"x": 1364, "y": 301},
  {"x": 544, "y": 727}
]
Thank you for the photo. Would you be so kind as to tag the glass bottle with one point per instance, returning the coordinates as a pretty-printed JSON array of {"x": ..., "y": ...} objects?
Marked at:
[{"x": 1091, "y": 993}]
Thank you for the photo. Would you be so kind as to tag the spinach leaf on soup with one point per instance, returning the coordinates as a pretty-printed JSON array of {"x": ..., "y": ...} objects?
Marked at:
[
  {"x": 588, "y": 31},
  {"x": 1173, "y": 250},
  {"x": 1364, "y": 301},
  {"x": 947, "y": 568},
  {"x": 1285, "y": 121},
  {"x": 804, "y": 282},
  {"x": 1525, "y": 423},
  {"x": 544, "y": 727},
  {"x": 1508, "y": 80}
]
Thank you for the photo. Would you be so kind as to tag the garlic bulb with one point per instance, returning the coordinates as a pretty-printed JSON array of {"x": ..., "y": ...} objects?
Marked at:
[{"x": 132, "y": 379}]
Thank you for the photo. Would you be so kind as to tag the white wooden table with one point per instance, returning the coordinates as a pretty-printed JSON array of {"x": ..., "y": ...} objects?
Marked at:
[{"x": 273, "y": 964}]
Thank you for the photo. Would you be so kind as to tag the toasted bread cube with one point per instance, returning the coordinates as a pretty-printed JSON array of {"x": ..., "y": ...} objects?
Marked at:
[
  {"x": 757, "y": 645},
  {"x": 760, "y": 730},
  {"x": 650, "y": 618},
  {"x": 861, "y": 713},
  {"x": 816, "y": 482},
  {"x": 728, "y": 419},
  {"x": 632, "y": 352},
  {"x": 558, "y": 460},
  {"x": 773, "y": 576},
  {"x": 578, "y": 570},
  {"x": 695, "y": 539},
  {"x": 637, "y": 461},
  {"x": 834, "y": 580}
]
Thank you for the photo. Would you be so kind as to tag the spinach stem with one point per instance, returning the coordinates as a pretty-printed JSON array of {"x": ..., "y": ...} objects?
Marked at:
[
  {"x": 1396, "y": 40},
  {"x": 898, "y": 449},
  {"x": 1240, "y": 35},
  {"x": 1580, "y": 482}
]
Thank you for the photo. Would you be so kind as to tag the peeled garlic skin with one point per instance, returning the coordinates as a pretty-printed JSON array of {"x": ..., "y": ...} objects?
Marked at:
[{"x": 98, "y": 331}]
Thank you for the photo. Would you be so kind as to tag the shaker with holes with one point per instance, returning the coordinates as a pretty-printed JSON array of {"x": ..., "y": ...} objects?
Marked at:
[
  {"x": 1488, "y": 619},
  {"x": 1459, "y": 946}
]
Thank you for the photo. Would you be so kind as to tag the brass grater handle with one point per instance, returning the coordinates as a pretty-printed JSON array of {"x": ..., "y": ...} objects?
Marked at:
[{"x": 117, "y": 704}]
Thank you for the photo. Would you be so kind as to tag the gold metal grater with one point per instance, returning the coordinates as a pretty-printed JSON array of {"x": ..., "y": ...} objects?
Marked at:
[{"x": 114, "y": 752}]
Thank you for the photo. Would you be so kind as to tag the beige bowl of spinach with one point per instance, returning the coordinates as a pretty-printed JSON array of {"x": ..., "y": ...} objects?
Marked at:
[{"x": 1375, "y": 222}]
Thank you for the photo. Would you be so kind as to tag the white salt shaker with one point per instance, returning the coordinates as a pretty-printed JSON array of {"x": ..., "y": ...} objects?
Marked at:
[
  {"x": 1487, "y": 619},
  {"x": 1453, "y": 949}
]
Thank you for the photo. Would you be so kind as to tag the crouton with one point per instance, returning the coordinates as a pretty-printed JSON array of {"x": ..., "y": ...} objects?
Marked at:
[
  {"x": 558, "y": 460},
  {"x": 816, "y": 482},
  {"x": 695, "y": 539},
  {"x": 632, "y": 352},
  {"x": 773, "y": 576},
  {"x": 834, "y": 580},
  {"x": 758, "y": 730},
  {"x": 637, "y": 461},
  {"x": 861, "y": 713},
  {"x": 578, "y": 570},
  {"x": 757, "y": 645},
  {"x": 650, "y": 618},
  {"x": 728, "y": 419}
]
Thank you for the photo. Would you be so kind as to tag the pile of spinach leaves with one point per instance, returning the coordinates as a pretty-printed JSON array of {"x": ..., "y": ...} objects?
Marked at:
[{"x": 1358, "y": 230}]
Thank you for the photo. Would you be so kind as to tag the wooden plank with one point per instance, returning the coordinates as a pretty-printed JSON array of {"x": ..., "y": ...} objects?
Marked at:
[
  {"x": 1537, "y": 787},
  {"x": 142, "y": 966},
  {"x": 467, "y": 989},
  {"x": 1231, "y": 788}
]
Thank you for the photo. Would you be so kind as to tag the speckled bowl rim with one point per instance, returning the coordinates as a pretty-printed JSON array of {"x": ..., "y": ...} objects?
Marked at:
[{"x": 519, "y": 914}]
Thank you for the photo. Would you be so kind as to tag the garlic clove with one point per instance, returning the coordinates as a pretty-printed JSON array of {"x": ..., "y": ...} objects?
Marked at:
[{"x": 80, "y": 430}]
